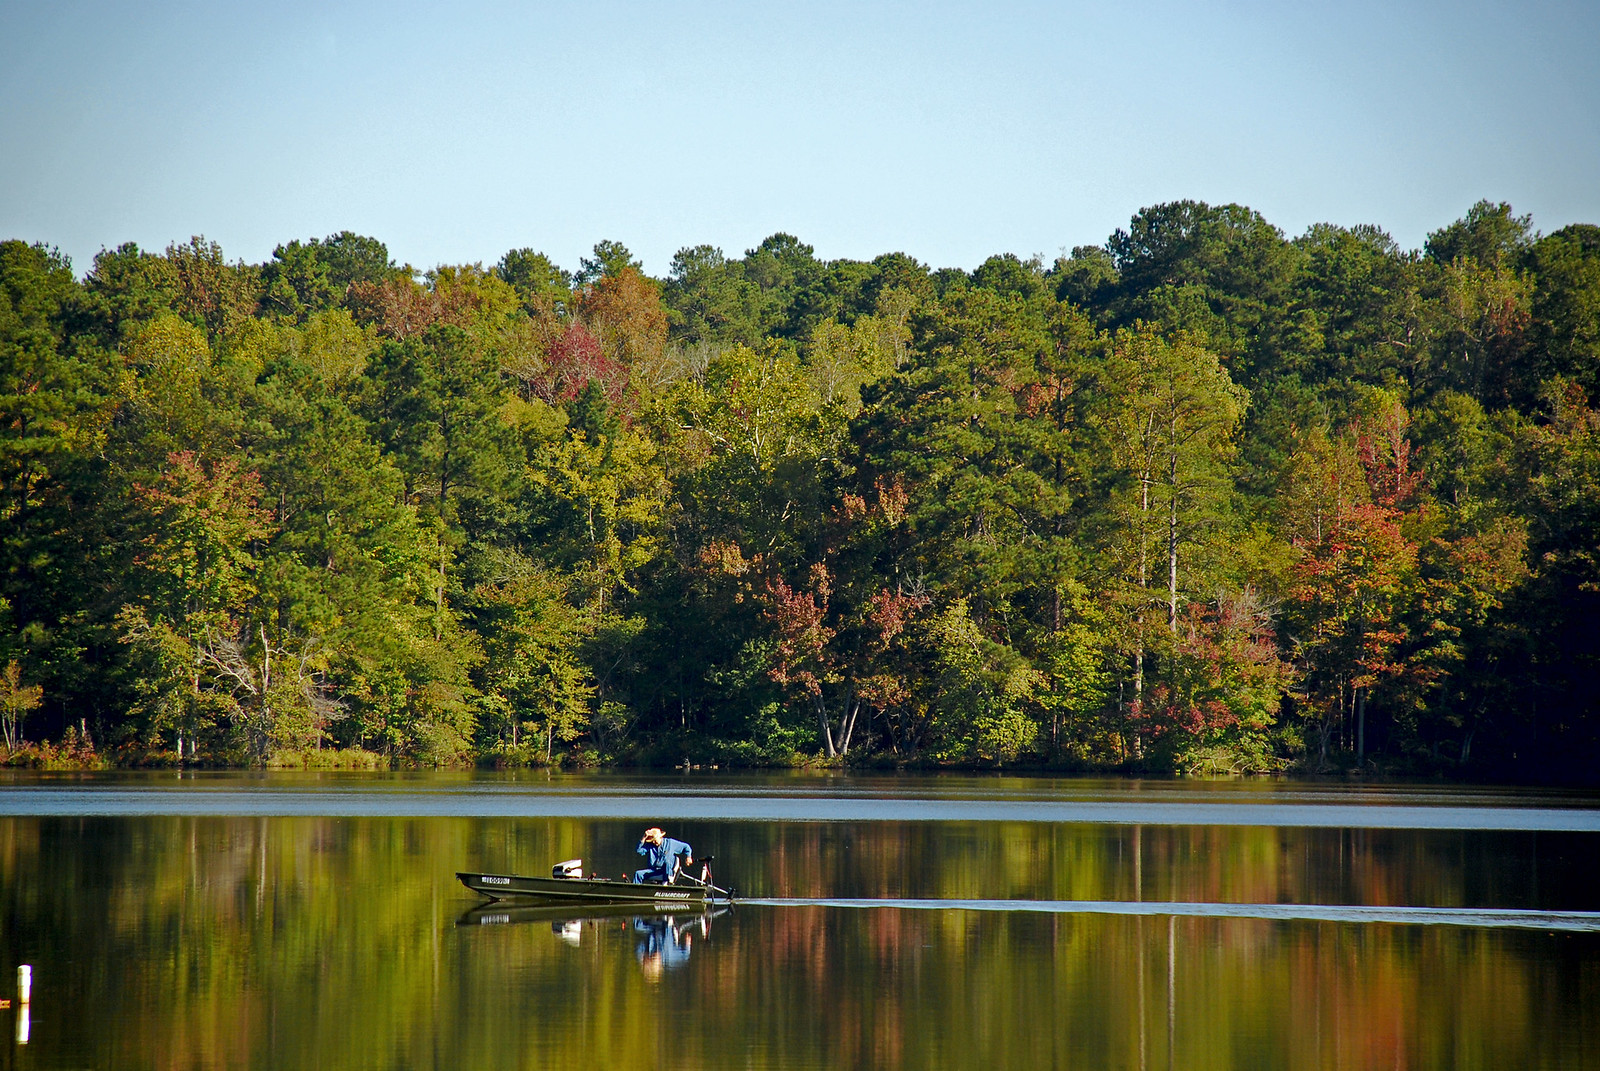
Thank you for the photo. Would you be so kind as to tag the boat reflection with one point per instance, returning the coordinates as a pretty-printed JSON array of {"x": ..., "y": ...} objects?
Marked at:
[{"x": 663, "y": 939}]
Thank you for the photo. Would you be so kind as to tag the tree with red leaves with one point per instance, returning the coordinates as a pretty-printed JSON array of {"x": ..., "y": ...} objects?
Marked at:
[
  {"x": 839, "y": 660},
  {"x": 1354, "y": 577},
  {"x": 575, "y": 360},
  {"x": 1220, "y": 688},
  {"x": 842, "y": 648}
]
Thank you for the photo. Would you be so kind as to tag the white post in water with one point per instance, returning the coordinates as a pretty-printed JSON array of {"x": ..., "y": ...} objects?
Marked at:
[{"x": 24, "y": 993}]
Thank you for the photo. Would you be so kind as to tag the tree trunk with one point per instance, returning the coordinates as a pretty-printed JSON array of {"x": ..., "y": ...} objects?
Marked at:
[
  {"x": 266, "y": 685},
  {"x": 1361, "y": 726},
  {"x": 849, "y": 727},
  {"x": 827, "y": 727},
  {"x": 1138, "y": 620},
  {"x": 438, "y": 617},
  {"x": 1172, "y": 541},
  {"x": 1136, "y": 744}
]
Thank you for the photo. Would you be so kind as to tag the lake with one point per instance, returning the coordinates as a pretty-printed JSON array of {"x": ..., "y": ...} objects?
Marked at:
[{"x": 314, "y": 921}]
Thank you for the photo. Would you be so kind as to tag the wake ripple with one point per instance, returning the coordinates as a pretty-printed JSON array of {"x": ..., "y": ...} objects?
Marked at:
[{"x": 1491, "y": 918}]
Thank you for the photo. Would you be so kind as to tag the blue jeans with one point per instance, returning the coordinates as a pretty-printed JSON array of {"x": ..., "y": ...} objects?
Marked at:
[{"x": 652, "y": 877}]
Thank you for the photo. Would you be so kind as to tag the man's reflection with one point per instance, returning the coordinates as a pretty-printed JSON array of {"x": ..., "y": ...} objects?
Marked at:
[{"x": 663, "y": 943}]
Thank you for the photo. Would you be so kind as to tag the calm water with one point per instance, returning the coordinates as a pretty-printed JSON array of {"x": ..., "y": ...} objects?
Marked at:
[{"x": 314, "y": 922}]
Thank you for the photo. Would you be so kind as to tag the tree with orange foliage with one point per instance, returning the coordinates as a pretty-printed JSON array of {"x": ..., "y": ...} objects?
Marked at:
[{"x": 624, "y": 312}]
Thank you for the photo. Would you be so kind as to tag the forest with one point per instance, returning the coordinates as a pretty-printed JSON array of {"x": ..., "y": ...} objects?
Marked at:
[{"x": 1202, "y": 499}]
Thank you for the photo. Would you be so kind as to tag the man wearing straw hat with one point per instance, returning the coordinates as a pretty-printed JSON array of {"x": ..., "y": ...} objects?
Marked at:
[{"x": 661, "y": 854}]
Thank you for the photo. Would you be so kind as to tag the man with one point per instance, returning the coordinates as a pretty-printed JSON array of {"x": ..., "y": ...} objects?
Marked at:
[{"x": 660, "y": 853}]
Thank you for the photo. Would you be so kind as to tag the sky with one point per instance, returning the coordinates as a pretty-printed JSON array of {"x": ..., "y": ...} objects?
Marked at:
[{"x": 949, "y": 131}]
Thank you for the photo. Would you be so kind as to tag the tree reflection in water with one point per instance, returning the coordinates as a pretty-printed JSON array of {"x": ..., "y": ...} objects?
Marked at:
[{"x": 303, "y": 942}]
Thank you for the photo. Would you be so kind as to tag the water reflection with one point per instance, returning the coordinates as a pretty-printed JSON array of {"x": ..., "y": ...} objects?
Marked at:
[
  {"x": 345, "y": 942},
  {"x": 768, "y": 798},
  {"x": 514, "y": 912},
  {"x": 663, "y": 940}
]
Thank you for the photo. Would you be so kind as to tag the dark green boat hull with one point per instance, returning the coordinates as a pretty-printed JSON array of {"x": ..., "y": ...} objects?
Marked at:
[{"x": 582, "y": 890}]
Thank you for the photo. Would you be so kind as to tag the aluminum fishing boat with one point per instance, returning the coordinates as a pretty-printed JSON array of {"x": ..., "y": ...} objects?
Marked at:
[{"x": 567, "y": 884}]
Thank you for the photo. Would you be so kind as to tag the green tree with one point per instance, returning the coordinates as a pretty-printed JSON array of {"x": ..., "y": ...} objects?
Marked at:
[
  {"x": 1357, "y": 312},
  {"x": 434, "y": 403},
  {"x": 60, "y": 550},
  {"x": 543, "y": 287},
  {"x": 211, "y": 293},
  {"x": 1220, "y": 272},
  {"x": 533, "y": 678},
  {"x": 127, "y": 287},
  {"x": 1489, "y": 235},
  {"x": 709, "y": 299},
  {"x": 597, "y": 502},
  {"x": 610, "y": 258},
  {"x": 17, "y": 700},
  {"x": 982, "y": 692},
  {"x": 755, "y": 421},
  {"x": 1555, "y": 480},
  {"x": 190, "y": 619},
  {"x": 350, "y": 586},
  {"x": 1169, "y": 421},
  {"x": 295, "y": 282},
  {"x": 1564, "y": 326},
  {"x": 1086, "y": 279}
]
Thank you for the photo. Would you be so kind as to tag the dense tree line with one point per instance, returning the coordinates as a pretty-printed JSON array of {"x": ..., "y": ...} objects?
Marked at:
[{"x": 1201, "y": 498}]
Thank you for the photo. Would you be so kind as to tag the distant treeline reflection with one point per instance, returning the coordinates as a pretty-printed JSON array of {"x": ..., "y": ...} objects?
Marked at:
[{"x": 229, "y": 942}]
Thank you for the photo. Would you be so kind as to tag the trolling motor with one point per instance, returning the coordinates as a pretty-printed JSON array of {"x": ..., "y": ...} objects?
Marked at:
[{"x": 704, "y": 880}]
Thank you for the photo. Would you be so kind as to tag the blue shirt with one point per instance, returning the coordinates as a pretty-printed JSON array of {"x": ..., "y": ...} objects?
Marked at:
[{"x": 658, "y": 857}]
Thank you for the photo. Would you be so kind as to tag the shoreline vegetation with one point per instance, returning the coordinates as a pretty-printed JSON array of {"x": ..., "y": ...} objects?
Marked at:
[{"x": 1204, "y": 499}]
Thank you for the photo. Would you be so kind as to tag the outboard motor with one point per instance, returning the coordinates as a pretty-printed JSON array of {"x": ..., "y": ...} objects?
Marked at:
[{"x": 570, "y": 868}]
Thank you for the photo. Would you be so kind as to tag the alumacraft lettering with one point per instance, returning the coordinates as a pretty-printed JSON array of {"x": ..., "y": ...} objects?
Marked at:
[
  {"x": 487, "y": 880},
  {"x": 674, "y": 896}
]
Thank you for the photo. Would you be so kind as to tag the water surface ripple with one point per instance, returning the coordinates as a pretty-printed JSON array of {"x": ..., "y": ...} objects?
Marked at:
[
  {"x": 1567, "y": 921},
  {"x": 764, "y": 804}
]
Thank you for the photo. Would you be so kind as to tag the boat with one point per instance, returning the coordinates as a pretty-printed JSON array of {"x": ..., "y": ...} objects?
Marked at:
[
  {"x": 567, "y": 884},
  {"x": 590, "y": 890}
]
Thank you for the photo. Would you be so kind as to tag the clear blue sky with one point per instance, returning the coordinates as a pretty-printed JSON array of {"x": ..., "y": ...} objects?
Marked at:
[{"x": 947, "y": 130}]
